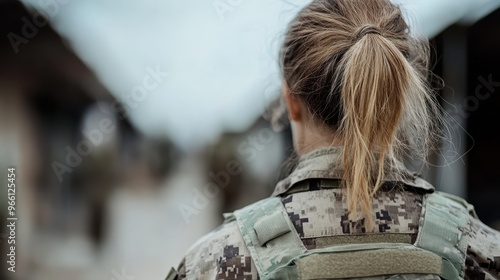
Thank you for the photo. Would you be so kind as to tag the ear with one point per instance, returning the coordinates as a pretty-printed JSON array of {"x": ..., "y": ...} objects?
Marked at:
[{"x": 293, "y": 104}]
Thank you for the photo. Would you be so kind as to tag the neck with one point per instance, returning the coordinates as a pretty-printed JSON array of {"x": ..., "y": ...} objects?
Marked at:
[{"x": 310, "y": 137}]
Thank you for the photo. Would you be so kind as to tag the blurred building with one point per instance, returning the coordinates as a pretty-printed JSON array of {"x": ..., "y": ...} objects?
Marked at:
[{"x": 64, "y": 133}]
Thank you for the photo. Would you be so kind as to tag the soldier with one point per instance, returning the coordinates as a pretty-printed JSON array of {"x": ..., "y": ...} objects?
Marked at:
[{"x": 356, "y": 93}]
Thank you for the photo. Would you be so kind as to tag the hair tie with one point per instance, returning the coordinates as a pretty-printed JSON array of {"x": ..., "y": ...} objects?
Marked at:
[{"x": 367, "y": 29}]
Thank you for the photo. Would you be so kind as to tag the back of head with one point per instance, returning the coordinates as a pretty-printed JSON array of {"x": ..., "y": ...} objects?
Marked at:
[{"x": 362, "y": 76}]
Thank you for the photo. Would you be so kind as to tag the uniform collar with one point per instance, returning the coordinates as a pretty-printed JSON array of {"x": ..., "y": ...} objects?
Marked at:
[{"x": 324, "y": 163}]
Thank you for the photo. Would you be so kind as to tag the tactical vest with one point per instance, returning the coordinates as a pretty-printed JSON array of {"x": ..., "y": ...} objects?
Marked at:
[{"x": 279, "y": 253}]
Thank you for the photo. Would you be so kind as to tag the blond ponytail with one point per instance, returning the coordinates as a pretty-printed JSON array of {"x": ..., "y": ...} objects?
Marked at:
[
  {"x": 355, "y": 66},
  {"x": 375, "y": 81}
]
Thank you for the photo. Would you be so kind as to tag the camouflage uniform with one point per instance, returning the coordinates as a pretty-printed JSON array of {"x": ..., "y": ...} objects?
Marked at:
[{"x": 317, "y": 207}]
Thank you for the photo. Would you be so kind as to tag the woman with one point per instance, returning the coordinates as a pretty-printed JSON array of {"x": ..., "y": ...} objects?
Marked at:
[{"x": 355, "y": 86}]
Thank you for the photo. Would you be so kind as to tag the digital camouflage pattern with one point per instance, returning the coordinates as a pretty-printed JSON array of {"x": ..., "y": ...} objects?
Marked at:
[
  {"x": 323, "y": 213},
  {"x": 483, "y": 252},
  {"x": 220, "y": 255},
  {"x": 316, "y": 205}
]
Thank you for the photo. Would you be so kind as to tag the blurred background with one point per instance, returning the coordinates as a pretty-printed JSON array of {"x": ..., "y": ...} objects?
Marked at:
[{"x": 134, "y": 124}]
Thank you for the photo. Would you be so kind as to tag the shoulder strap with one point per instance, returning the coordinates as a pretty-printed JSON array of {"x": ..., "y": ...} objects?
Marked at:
[
  {"x": 468, "y": 206},
  {"x": 443, "y": 228},
  {"x": 269, "y": 235}
]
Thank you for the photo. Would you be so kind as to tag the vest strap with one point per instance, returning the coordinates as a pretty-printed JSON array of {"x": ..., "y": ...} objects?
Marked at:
[
  {"x": 269, "y": 235},
  {"x": 442, "y": 229}
]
